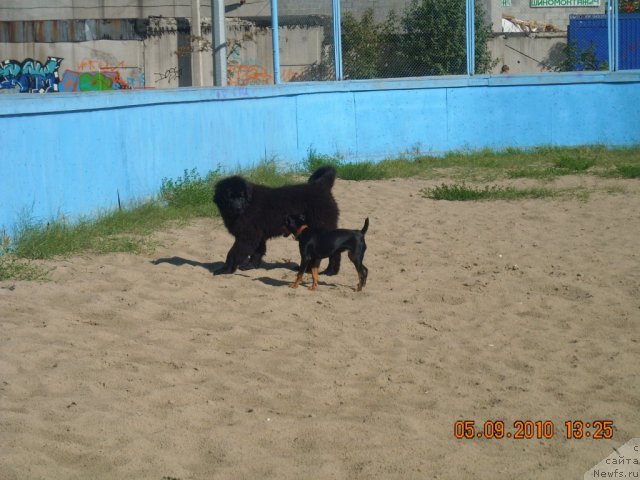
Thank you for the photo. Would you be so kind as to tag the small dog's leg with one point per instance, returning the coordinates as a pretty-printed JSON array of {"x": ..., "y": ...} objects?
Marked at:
[
  {"x": 314, "y": 274},
  {"x": 303, "y": 267},
  {"x": 297, "y": 281},
  {"x": 362, "y": 274},
  {"x": 361, "y": 269}
]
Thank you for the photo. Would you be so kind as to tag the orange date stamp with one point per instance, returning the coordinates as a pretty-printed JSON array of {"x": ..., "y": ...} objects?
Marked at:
[{"x": 533, "y": 429}]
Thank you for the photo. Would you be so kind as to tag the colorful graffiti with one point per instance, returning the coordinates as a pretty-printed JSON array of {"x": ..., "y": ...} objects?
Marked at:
[
  {"x": 93, "y": 65},
  {"x": 91, "y": 81},
  {"x": 93, "y": 75},
  {"x": 244, "y": 72},
  {"x": 30, "y": 76},
  {"x": 240, "y": 74}
]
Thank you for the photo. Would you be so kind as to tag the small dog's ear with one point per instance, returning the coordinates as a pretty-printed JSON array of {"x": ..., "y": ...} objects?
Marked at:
[{"x": 286, "y": 226}]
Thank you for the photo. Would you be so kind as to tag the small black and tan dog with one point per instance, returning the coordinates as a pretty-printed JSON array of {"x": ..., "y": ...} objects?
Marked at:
[{"x": 317, "y": 243}]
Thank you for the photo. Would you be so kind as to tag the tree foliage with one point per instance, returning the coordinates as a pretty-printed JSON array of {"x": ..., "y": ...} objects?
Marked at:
[
  {"x": 580, "y": 60},
  {"x": 428, "y": 38}
]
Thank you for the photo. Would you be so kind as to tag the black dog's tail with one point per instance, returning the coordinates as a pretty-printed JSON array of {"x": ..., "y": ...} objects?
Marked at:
[
  {"x": 366, "y": 226},
  {"x": 324, "y": 175}
]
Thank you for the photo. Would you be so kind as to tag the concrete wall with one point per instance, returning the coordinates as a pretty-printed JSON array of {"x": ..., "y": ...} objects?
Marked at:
[
  {"x": 381, "y": 8},
  {"x": 528, "y": 53},
  {"x": 250, "y": 42},
  {"x": 73, "y": 154},
  {"x": 67, "y": 9},
  {"x": 11, "y": 10},
  {"x": 160, "y": 61},
  {"x": 250, "y": 52}
]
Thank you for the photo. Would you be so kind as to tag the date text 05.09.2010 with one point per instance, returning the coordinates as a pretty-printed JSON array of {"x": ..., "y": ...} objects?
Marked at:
[{"x": 530, "y": 429}]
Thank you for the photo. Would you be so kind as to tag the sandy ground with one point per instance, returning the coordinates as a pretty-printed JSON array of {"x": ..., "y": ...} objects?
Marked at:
[{"x": 121, "y": 368}]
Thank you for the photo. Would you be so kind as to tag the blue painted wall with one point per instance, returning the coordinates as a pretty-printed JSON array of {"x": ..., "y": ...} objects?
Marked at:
[{"x": 72, "y": 154}]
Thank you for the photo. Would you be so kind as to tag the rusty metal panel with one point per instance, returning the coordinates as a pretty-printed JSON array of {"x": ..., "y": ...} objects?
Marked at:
[
  {"x": 76, "y": 30},
  {"x": 50, "y": 31},
  {"x": 38, "y": 30}
]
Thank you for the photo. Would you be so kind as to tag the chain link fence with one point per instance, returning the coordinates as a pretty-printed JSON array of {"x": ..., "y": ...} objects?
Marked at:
[
  {"x": 125, "y": 46},
  {"x": 410, "y": 39},
  {"x": 307, "y": 47}
]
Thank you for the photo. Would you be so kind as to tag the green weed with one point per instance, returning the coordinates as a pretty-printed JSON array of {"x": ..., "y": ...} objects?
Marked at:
[
  {"x": 462, "y": 192},
  {"x": 627, "y": 171},
  {"x": 189, "y": 190},
  {"x": 14, "y": 268},
  {"x": 574, "y": 164},
  {"x": 316, "y": 160}
]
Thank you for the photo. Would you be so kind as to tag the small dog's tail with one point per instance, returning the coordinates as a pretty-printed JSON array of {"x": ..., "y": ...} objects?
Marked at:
[
  {"x": 326, "y": 176},
  {"x": 366, "y": 226}
]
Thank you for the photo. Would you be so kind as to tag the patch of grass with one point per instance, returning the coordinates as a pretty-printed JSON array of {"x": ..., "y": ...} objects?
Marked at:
[
  {"x": 120, "y": 231},
  {"x": 574, "y": 164},
  {"x": 189, "y": 190},
  {"x": 345, "y": 170},
  {"x": 316, "y": 160},
  {"x": 402, "y": 168},
  {"x": 269, "y": 173},
  {"x": 14, "y": 268},
  {"x": 127, "y": 230},
  {"x": 542, "y": 163},
  {"x": 626, "y": 171},
  {"x": 361, "y": 171},
  {"x": 462, "y": 192}
]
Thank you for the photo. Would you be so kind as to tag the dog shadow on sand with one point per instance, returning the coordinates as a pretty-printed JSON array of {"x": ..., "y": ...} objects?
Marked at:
[
  {"x": 211, "y": 267},
  {"x": 179, "y": 261},
  {"x": 285, "y": 283}
]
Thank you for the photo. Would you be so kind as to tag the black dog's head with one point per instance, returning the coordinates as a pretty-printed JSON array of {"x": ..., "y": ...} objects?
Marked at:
[
  {"x": 293, "y": 223},
  {"x": 233, "y": 195}
]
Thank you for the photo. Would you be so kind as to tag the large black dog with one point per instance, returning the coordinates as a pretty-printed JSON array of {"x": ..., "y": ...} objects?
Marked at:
[{"x": 253, "y": 213}]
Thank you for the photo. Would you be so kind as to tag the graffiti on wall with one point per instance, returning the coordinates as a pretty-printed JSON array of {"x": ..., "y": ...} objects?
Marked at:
[
  {"x": 91, "y": 75},
  {"x": 251, "y": 74},
  {"x": 242, "y": 74},
  {"x": 30, "y": 76},
  {"x": 171, "y": 74},
  {"x": 73, "y": 81},
  {"x": 93, "y": 65}
]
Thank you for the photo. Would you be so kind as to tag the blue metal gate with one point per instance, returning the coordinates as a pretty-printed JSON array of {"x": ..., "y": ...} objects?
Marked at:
[{"x": 589, "y": 33}]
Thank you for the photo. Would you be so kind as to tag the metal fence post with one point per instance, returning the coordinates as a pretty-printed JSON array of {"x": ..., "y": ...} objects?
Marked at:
[
  {"x": 219, "y": 44},
  {"x": 275, "y": 40},
  {"x": 337, "y": 39},
  {"x": 471, "y": 38},
  {"x": 196, "y": 54},
  {"x": 612, "y": 32}
]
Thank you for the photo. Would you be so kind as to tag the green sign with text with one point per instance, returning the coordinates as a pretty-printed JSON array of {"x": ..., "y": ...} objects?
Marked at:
[{"x": 564, "y": 3}]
